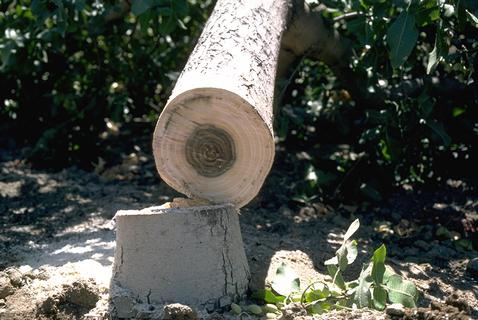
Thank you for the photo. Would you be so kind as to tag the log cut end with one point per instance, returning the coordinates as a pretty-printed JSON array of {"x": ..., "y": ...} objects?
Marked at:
[{"x": 210, "y": 143}]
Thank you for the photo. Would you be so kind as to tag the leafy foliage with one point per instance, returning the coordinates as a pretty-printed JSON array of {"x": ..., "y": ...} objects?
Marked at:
[
  {"x": 376, "y": 286},
  {"x": 404, "y": 114},
  {"x": 68, "y": 69}
]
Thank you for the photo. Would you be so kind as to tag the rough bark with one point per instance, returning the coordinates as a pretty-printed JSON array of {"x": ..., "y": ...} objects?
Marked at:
[
  {"x": 214, "y": 139},
  {"x": 192, "y": 255}
]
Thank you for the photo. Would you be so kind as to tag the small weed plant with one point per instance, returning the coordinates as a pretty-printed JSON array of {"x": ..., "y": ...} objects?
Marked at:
[{"x": 376, "y": 286}]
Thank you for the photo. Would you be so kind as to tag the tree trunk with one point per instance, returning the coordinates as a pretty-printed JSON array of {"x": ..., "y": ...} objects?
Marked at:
[
  {"x": 188, "y": 254},
  {"x": 214, "y": 139}
]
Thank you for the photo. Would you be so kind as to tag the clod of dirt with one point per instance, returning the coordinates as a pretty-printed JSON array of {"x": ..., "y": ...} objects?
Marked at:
[
  {"x": 177, "y": 311},
  {"x": 461, "y": 304},
  {"x": 77, "y": 298},
  {"x": 6, "y": 287},
  {"x": 81, "y": 293},
  {"x": 438, "y": 311},
  {"x": 16, "y": 277},
  {"x": 293, "y": 311},
  {"x": 395, "y": 310},
  {"x": 124, "y": 306},
  {"x": 472, "y": 268}
]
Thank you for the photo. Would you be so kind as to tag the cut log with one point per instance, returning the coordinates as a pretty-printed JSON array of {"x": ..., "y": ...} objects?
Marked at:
[
  {"x": 192, "y": 255},
  {"x": 214, "y": 139}
]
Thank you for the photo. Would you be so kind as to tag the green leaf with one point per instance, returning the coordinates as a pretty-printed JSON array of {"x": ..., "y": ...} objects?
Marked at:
[
  {"x": 432, "y": 59},
  {"x": 139, "y": 7},
  {"x": 426, "y": 12},
  {"x": 342, "y": 258},
  {"x": 180, "y": 7},
  {"x": 317, "y": 293},
  {"x": 402, "y": 291},
  {"x": 378, "y": 264},
  {"x": 319, "y": 308},
  {"x": 235, "y": 309},
  {"x": 168, "y": 24},
  {"x": 285, "y": 281},
  {"x": 401, "y": 38},
  {"x": 379, "y": 297},
  {"x": 352, "y": 229},
  {"x": 362, "y": 295},
  {"x": 267, "y": 296},
  {"x": 254, "y": 309},
  {"x": 457, "y": 111},
  {"x": 440, "y": 50},
  {"x": 438, "y": 129},
  {"x": 370, "y": 192},
  {"x": 388, "y": 273},
  {"x": 336, "y": 275}
]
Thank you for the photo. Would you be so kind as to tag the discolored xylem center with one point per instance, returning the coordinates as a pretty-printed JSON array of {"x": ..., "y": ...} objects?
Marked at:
[{"x": 210, "y": 151}]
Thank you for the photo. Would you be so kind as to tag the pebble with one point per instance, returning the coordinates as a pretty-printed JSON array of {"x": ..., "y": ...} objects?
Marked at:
[
  {"x": 472, "y": 268},
  {"x": 177, "y": 311},
  {"x": 395, "y": 310}
]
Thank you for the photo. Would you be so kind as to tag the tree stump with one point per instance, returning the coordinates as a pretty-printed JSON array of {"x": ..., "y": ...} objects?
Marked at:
[
  {"x": 214, "y": 139},
  {"x": 192, "y": 255}
]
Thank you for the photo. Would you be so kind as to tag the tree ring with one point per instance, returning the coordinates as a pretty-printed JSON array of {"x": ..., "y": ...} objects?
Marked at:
[{"x": 210, "y": 151}]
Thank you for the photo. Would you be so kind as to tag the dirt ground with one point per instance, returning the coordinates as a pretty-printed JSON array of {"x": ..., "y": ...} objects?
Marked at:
[{"x": 57, "y": 238}]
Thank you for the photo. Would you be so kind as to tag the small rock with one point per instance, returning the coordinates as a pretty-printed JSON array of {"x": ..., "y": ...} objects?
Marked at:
[
  {"x": 472, "y": 268},
  {"x": 225, "y": 301},
  {"x": 395, "y": 310},
  {"x": 2, "y": 303},
  {"x": 6, "y": 287},
  {"x": 177, "y": 311}
]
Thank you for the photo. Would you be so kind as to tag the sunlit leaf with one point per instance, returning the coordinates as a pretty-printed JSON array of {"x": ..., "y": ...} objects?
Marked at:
[
  {"x": 267, "y": 296},
  {"x": 402, "y": 291},
  {"x": 285, "y": 281},
  {"x": 378, "y": 266},
  {"x": 379, "y": 297},
  {"x": 362, "y": 293},
  {"x": 139, "y": 7},
  {"x": 473, "y": 19},
  {"x": 336, "y": 276},
  {"x": 352, "y": 229}
]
